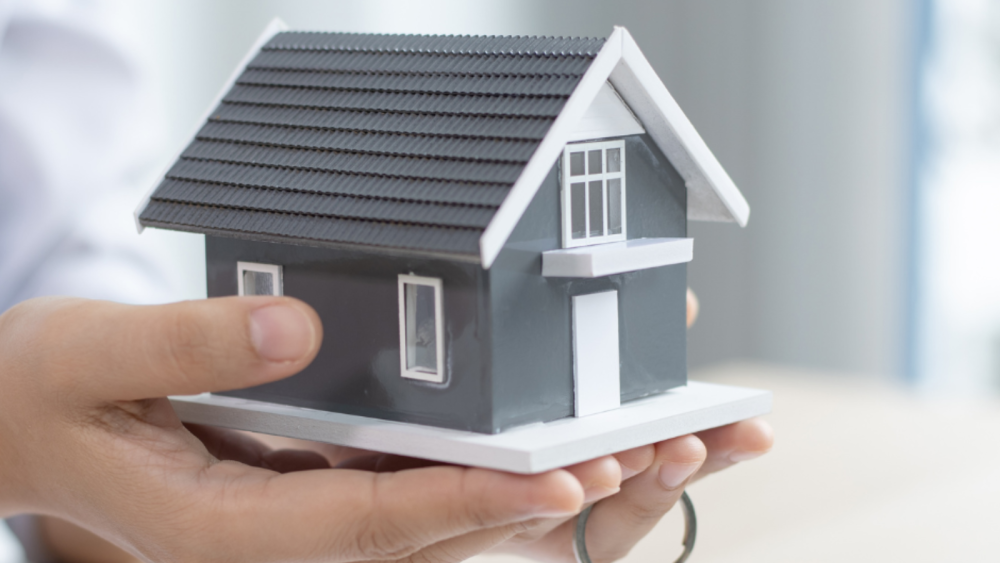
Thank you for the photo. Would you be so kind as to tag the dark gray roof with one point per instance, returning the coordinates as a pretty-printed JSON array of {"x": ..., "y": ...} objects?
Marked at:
[{"x": 394, "y": 141}]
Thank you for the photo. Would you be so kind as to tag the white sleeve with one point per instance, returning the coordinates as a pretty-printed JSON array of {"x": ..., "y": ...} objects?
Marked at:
[
  {"x": 25, "y": 528},
  {"x": 78, "y": 133}
]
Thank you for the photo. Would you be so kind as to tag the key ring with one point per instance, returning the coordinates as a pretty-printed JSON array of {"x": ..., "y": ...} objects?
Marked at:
[{"x": 690, "y": 531}]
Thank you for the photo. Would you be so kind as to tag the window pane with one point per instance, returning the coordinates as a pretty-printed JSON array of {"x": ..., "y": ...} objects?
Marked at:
[
  {"x": 597, "y": 208},
  {"x": 421, "y": 328},
  {"x": 614, "y": 205},
  {"x": 594, "y": 162},
  {"x": 576, "y": 164},
  {"x": 578, "y": 209},
  {"x": 614, "y": 160},
  {"x": 257, "y": 283}
]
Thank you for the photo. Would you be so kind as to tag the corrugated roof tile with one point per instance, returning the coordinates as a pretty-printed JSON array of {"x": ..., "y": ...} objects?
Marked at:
[
  {"x": 545, "y": 85},
  {"x": 501, "y": 127},
  {"x": 377, "y": 143},
  {"x": 286, "y": 201},
  {"x": 499, "y": 45},
  {"x": 334, "y": 161},
  {"x": 442, "y": 104},
  {"x": 420, "y": 63},
  {"x": 431, "y": 191},
  {"x": 302, "y": 228}
]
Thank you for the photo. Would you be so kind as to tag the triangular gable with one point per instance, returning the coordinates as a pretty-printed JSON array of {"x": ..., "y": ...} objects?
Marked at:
[
  {"x": 607, "y": 116},
  {"x": 712, "y": 195}
]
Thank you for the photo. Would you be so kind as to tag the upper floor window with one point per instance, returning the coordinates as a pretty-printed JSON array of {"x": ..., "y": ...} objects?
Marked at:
[{"x": 593, "y": 193}]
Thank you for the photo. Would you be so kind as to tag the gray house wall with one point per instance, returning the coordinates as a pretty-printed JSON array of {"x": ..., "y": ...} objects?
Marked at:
[
  {"x": 357, "y": 369},
  {"x": 507, "y": 330},
  {"x": 532, "y": 354}
]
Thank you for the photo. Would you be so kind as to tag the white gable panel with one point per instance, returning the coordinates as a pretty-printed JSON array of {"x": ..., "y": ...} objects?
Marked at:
[{"x": 607, "y": 116}]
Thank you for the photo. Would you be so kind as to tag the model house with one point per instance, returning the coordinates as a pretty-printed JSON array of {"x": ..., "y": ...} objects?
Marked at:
[{"x": 492, "y": 229}]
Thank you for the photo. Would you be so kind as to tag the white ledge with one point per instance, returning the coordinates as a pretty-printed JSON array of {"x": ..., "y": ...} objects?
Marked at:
[
  {"x": 526, "y": 449},
  {"x": 617, "y": 257}
]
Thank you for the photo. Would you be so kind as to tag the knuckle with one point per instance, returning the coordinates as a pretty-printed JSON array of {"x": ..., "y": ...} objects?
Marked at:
[
  {"x": 190, "y": 347},
  {"x": 378, "y": 541},
  {"x": 643, "y": 512}
]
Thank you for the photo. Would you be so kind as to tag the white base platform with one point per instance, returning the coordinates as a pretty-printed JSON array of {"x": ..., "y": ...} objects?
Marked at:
[{"x": 526, "y": 449}]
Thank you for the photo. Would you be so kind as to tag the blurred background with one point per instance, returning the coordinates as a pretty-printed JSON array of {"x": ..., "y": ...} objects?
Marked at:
[
  {"x": 866, "y": 289},
  {"x": 865, "y": 136}
]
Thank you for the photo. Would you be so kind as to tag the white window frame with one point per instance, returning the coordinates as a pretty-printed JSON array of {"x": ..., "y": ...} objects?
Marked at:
[
  {"x": 437, "y": 376},
  {"x": 567, "y": 219},
  {"x": 273, "y": 269}
]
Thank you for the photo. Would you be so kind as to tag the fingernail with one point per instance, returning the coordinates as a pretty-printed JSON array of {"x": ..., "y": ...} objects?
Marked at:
[
  {"x": 281, "y": 333},
  {"x": 673, "y": 475},
  {"x": 594, "y": 494},
  {"x": 737, "y": 457}
]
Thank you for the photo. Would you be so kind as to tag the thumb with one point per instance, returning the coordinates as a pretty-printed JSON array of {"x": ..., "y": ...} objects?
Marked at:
[{"x": 112, "y": 352}]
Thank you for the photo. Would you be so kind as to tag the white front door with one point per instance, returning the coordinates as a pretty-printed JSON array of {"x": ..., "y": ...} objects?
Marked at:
[{"x": 595, "y": 353}]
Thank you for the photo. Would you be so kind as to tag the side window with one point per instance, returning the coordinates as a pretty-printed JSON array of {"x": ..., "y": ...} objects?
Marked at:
[
  {"x": 421, "y": 328},
  {"x": 593, "y": 193},
  {"x": 258, "y": 279}
]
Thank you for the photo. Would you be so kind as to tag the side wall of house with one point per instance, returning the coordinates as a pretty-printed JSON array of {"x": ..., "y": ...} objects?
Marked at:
[
  {"x": 532, "y": 340},
  {"x": 357, "y": 370}
]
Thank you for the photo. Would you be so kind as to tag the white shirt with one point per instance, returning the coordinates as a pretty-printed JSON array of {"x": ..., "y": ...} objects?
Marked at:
[
  {"x": 77, "y": 134},
  {"x": 77, "y": 137}
]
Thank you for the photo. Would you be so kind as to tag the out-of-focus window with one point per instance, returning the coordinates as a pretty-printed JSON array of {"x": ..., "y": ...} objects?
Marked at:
[{"x": 958, "y": 343}]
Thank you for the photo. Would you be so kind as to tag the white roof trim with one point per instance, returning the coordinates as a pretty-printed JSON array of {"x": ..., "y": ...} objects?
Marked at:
[
  {"x": 712, "y": 195},
  {"x": 275, "y": 27}
]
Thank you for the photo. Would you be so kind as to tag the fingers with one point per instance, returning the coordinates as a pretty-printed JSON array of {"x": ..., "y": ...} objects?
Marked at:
[
  {"x": 131, "y": 352},
  {"x": 692, "y": 307},
  {"x": 617, "y": 523},
  {"x": 384, "y": 463},
  {"x": 231, "y": 445},
  {"x": 289, "y": 461},
  {"x": 354, "y": 515},
  {"x": 728, "y": 445},
  {"x": 600, "y": 478}
]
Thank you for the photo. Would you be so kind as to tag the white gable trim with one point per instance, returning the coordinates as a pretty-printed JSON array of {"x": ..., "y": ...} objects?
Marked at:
[
  {"x": 712, "y": 195},
  {"x": 275, "y": 27}
]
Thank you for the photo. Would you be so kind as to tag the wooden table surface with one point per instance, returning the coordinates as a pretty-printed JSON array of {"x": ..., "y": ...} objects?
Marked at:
[{"x": 862, "y": 471}]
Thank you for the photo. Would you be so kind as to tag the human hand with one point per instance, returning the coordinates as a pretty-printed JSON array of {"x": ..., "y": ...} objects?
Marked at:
[
  {"x": 637, "y": 486},
  {"x": 89, "y": 438}
]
